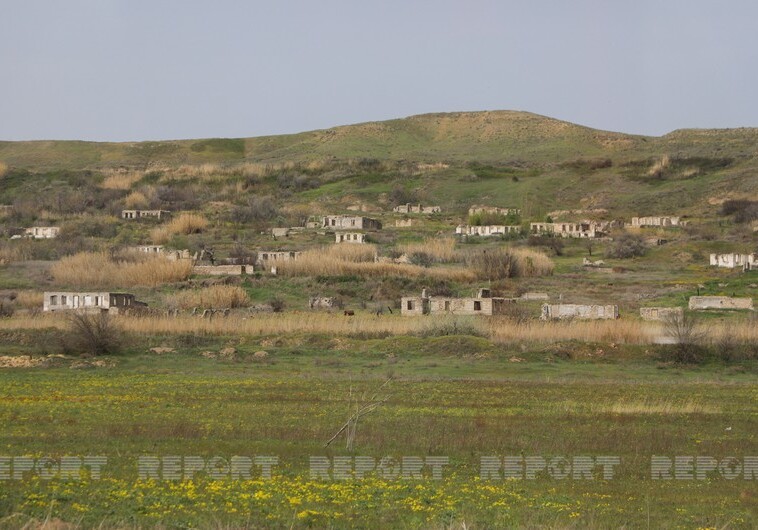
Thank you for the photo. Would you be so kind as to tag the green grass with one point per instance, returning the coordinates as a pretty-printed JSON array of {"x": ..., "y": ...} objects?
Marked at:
[{"x": 450, "y": 404}]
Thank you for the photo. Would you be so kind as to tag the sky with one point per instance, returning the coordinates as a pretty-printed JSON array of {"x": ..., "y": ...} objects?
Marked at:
[{"x": 128, "y": 70}]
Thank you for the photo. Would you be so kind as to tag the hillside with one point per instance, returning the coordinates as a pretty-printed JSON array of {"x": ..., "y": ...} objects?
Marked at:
[{"x": 498, "y": 136}]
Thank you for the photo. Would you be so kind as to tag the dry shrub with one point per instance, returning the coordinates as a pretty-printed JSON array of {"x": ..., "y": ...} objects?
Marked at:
[
  {"x": 610, "y": 331},
  {"x": 358, "y": 260},
  {"x": 659, "y": 166},
  {"x": 498, "y": 264},
  {"x": 186, "y": 223},
  {"x": 3, "y": 169},
  {"x": 121, "y": 180},
  {"x": 96, "y": 334},
  {"x": 29, "y": 299},
  {"x": 136, "y": 200},
  {"x": 441, "y": 250},
  {"x": 214, "y": 297},
  {"x": 11, "y": 251},
  {"x": 99, "y": 270}
]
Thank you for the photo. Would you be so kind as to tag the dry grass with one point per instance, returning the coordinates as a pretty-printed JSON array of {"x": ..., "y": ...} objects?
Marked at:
[
  {"x": 215, "y": 297},
  {"x": 186, "y": 223},
  {"x": 609, "y": 331},
  {"x": 99, "y": 270},
  {"x": 29, "y": 299},
  {"x": 659, "y": 165},
  {"x": 358, "y": 260},
  {"x": 510, "y": 262},
  {"x": 136, "y": 200},
  {"x": 120, "y": 180},
  {"x": 441, "y": 249},
  {"x": 3, "y": 169}
]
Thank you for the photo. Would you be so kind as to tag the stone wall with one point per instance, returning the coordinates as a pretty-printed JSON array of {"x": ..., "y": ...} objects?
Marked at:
[{"x": 720, "y": 302}]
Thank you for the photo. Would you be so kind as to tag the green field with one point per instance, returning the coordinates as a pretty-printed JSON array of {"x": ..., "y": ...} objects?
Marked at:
[{"x": 463, "y": 406}]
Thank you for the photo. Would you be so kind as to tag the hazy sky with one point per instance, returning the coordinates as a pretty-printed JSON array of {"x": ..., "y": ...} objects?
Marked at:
[{"x": 168, "y": 69}]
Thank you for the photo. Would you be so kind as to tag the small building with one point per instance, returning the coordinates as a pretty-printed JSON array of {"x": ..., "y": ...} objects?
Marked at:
[
  {"x": 89, "y": 302},
  {"x": 720, "y": 302},
  {"x": 660, "y": 313},
  {"x": 583, "y": 229},
  {"x": 493, "y": 210},
  {"x": 350, "y": 237},
  {"x": 142, "y": 214},
  {"x": 149, "y": 249},
  {"x": 350, "y": 222},
  {"x": 481, "y": 304},
  {"x": 403, "y": 223},
  {"x": 42, "y": 232},
  {"x": 579, "y": 311},
  {"x": 275, "y": 256},
  {"x": 745, "y": 262},
  {"x": 280, "y": 231},
  {"x": 487, "y": 230},
  {"x": 416, "y": 208},
  {"x": 658, "y": 221}
]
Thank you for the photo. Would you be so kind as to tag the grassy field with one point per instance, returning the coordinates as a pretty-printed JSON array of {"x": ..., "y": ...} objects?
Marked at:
[{"x": 440, "y": 402}]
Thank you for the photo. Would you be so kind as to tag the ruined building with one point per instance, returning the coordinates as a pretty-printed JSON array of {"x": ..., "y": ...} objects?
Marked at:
[
  {"x": 579, "y": 311},
  {"x": 142, "y": 214},
  {"x": 720, "y": 302},
  {"x": 582, "y": 229},
  {"x": 487, "y": 230},
  {"x": 350, "y": 222},
  {"x": 90, "y": 302},
  {"x": 349, "y": 237},
  {"x": 660, "y": 313},
  {"x": 493, "y": 210},
  {"x": 745, "y": 262},
  {"x": 659, "y": 221},
  {"x": 416, "y": 208},
  {"x": 41, "y": 232},
  {"x": 481, "y": 304}
]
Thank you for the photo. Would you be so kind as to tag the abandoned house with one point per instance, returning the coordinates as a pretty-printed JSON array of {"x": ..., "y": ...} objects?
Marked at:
[
  {"x": 493, "y": 210},
  {"x": 280, "y": 232},
  {"x": 487, "y": 230},
  {"x": 41, "y": 232},
  {"x": 349, "y": 237},
  {"x": 579, "y": 311},
  {"x": 584, "y": 229},
  {"x": 90, "y": 302},
  {"x": 660, "y": 313},
  {"x": 403, "y": 223},
  {"x": 659, "y": 221},
  {"x": 350, "y": 222},
  {"x": 276, "y": 255},
  {"x": 481, "y": 304},
  {"x": 416, "y": 208},
  {"x": 142, "y": 214},
  {"x": 745, "y": 262},
  {"x": 149, "y": 249},
  {"x": 322, "y": 302},
  {"x": 720, "y": 302}
]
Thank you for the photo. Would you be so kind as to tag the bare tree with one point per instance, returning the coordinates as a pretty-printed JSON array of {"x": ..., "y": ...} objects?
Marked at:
[
  {"x": 687, "y": 334},
  {"x": 358, "y": 409}
]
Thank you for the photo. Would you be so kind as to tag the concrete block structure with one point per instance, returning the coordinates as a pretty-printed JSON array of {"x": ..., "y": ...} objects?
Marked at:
[
  {"x": 493, "y": 210},
  {"x": 280, "y": 232},
  {"x": 144, "y": 214},
  {"x": 534, "y": 296},
  {"x": 487, "y": 230},
  {"x": 745, "y": 262},
  {"x": 350, "y": 222},
  {"x": 42, "y": 232},
  {"x": 583, "y": 229},
  {"x": 89, "y": 302},
  {"x": 656, "y": 220},
  {"x": 222, "y": 270},
  {"x": 350, "y": 237},
  {"x": 149, "y": 249},
  {"x": 322, "y": 302},
  {"x": 720, "y": 302},
  {"x": 403, "y": 223},
  {"x": 276, "y": 256},
  {"x": 579, "y": 311},
  {"x": 416, "y": 208},
  {"x": 660, "y": 313},
  {"x": 481, "y": 304}
]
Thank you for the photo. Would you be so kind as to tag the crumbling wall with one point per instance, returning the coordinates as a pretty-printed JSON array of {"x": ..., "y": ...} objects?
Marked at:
[
  {"x": 579, "y": 311},
  {"x": 222, "y": 270},
  {"x": 720, "y": 302}
]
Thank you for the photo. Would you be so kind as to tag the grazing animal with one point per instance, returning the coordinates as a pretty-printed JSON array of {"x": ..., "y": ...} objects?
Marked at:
[{"x": 349, "y": 313}]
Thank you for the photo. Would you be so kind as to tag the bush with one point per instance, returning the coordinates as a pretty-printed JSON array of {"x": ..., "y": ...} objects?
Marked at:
[
  {"x": 627, "y": 246},
  {"x": 687, "y": 335},
  {"x": 744, "y": 211},
  {"x": 255, "y": 209},
  {"x": 422, "y": 259},
  {"x": 500, "y": 264},
  {"x": 95, "y": 334},
  {"x": 277, "y": 305}
]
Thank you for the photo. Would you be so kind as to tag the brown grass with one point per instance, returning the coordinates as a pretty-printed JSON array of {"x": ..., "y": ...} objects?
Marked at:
[
  {"x": 185, "y": 223},
  {"x": 609, "y": 331},
  {"x": 441, "y": 249},
  {"x": 215, "y": 297},
  {"x": 121, "y": 180},
  {"x": 344, "y": 260},
  {"x": 29, "y": 299},
  {"x": 97, "y": 270},
  {"x": 3, "y": 169},
  {"x": 136, "y": 200}
]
